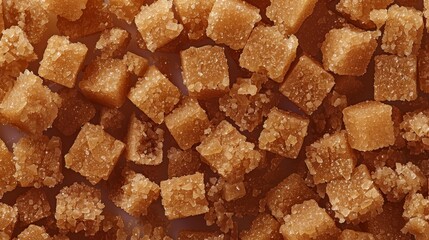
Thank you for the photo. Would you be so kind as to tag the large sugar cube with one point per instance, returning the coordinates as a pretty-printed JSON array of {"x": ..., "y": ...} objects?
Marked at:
[
  {"x": 9, "y": 217},
  {"x": 126, "y": 9},
  {"x": 194, "y": 16},
  {"x": 360, "y": 10},
  {"x": 32, "y": 206},
  {"x": 7, "y": 170},
  {"x": 263, "y": 227}
]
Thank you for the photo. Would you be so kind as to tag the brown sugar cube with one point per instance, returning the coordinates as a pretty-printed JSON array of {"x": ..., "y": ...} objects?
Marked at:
[
  {"x": 38, "y": 161},
  {"x": 74, "y": 112},
  {"x": 289, "y": 15},
  {"x": 418, "y": 227},
  {"x": 348, "y": 51},
  {"x": 95, "y": 18},
  {"x": 155, "y": 95},
  {"x": 187, "y": 123},
  {"x": 71, "y": 10},
  {"x": 30, "y": 105},
  {"x": 106, "y": 81},
  {"x": 331, "y": 157},
  {"x": 32, "y": 206},
  {"x": 292, "y": 190},
  {"x": 194, "y": 235},
  {"x": 415, "y": 131},
  {"x": 307, "y": 85},
  {"x": 144, "y": 142},
  {"x": 126, "y": 9},
  {"x": 205, "y": 71},
  {"x": 7, "y": 170},
  {"x": 403, "y": 31},
  {"x": 79, "y": 208},
  {"x": 62, "y": 61},
  {"x": 34, "y": 232},
  {"x": 230, "y": 22},
  {"x": 309, "y": 221},
  {"x": 283, "y": 133},
  {"x": 348, "y": 234},
  {"x": 395, "y": 78},
  {"x": 357, "y": 199},
  {"x": 269, "y": 52},
  {"x": 113, "y": 42},
  {"x": 136, "y": 194},
  {"x": 194, "y": 16},
  {"x": 157, "y": 25},
  {"x": 423, "y": 69},
  {"x": 233, "y": 191},
  {"x": 360, "y": 10},
  {"x": 369, "y": 125},
  {"x": 8, "y": 219},
  {"x": 136, "y": 64},
  {"x": 226, "y": 150},
  {"x": 94, "y": 153},
  {"x": 264, "y": 227},
  {"x": 182, "y": 163},
  {"x": 184, "y": 196}
]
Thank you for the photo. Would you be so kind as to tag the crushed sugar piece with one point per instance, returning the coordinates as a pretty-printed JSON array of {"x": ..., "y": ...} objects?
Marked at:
[
  {"x": 8, "y": 219},
  {"x": 361, "y": 10},
  {"x": 136, "y": 64},
  {"x": 126, "y": 9},
  {"x": 113, "y": 42}
]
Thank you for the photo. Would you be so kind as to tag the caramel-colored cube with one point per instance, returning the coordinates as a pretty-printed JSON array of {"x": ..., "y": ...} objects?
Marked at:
[
  {"x": 348, "y": 51},
  {"x": 7, "y": 170},
  {"x": 126, "y": 9},
  {"x": 184, "y": 196},
  {"x": 395, "y": 78},
  {"x": 194, "y": 235},
  {"x": 292, "y": 190},
  {"x": 182, "y": 163},
  {"x": 187, "y": 123},
  {"x": 71, "y": 10},
  {"x": 357, "y": 199},
  {"x": 360, "y": 10},
  {"x": 269, "y": 52},
  {"x": 62, "y": 61},
  {"x": 230, "y": 22},
  {"x": 423, "y": 69},
  {"x": 194, "y": 16},
  {"x": 348, "y": 234},
  {"x": 264, "y": 227},
  {"x": 226, "y": 150},
  {"x": 135, "y": 194},
  {"x": 157, "y": 25},
  {"x": 205, "y": 71},
  {"x": 136, "y": 64},
  {"x": 309, "y": 221},
  {"x": 8, "y": 219},
  {"x": 32, "y": 206},
  {"x": 414, "y": 130},
  {"x": 95, "y": 18},
  {"x": 74, "y": 112},
  {"x": 331, "y": 157},
  {"x": 79, "y": 208},
  {"x": 155, "y": 95},
  {"x": 233, "y": 191},
  {"x": 289, "y": 15},
  {"x": 38, "y": 161},
  {"x": 113, "y": 42},
  {"x": 94, "y": 153},
  {"x": 307, "y": 85},
  {"x": 144, "y": 142},
  {"x": 403, "y": 31},
  {"x": 34, "y": 232},
  {"x": 283, "y": 133},
  {"x": 106, "y": 81},
  {"x": 369, "y": 125}
]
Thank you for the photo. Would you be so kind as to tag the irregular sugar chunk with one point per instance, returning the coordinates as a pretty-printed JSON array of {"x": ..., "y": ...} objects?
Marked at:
[
  {"x": 330, "y": 158},
  {"x": 106, "y": 81},
  {"x": 32, "y": 206},
  {"x": 378, "y": 17},
  {"x": 403, "y": 31},
  {"x": 94, "y": 153},
  {"x": 187, "y": 123},
  {"x": 144, "y": 142},
  {"x": 423, "y": 69},
  {"x": 289, "y": 15},
  {"x": 74, "y": 112},
  {"x": 181, "y": 163},
  {"x": 264, "y": 227},
  {"x": 79, "y": 208},
  {"x": 62, "y": 60},
  {"x": 283, "y": 133},
  {"x": 155, "y": 95},
  {"x": 34, "y": 232},
  {"x": 269, "y": 52},
  {"x": 157, "y": 25},
  {"x": 292, "y": 190},
  {"x": 194, "y": 16},
  {"x": 38, "y": 161},
  {"x": 8, "y": 219},
  {"x": 415, "y": 130},
  {"x": 307, "y": 84},
  {"x": 7, "y": 170},
  {"x": 348, "y": 51},
  {"x": 226, "y": 150},
  {"x": 135, "y": 194},
  {"x": 136, "y": 64},
  {"x": 184, "y": 196},
  {"x": 418, "y": 227},
  {"x": 416, "y": 206},
  {"x": 357, "y": 199},
  {"x": 126, "y": 9},
  {"x": 308, "y": 221},
  {"x": 233, "y": 191},
  {"x": 194, "y": 235},
  {"x": 230, "y": 22},
  {"x": 205, "y": 71},
  {"x": 71, "y": 10},
  {"x": 113, "y": 42},
  {"x": 360, "y": 10},
  {"x": 369, "y": 125},
  {"x": 354, "y": 235}
]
